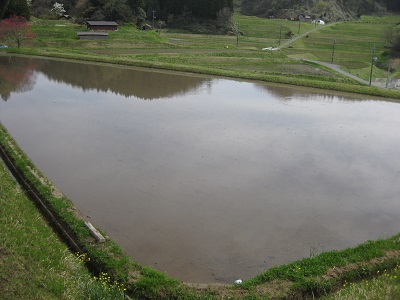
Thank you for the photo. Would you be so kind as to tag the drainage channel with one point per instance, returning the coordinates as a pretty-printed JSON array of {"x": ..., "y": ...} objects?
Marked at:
[{"x": 56, "y": 223}]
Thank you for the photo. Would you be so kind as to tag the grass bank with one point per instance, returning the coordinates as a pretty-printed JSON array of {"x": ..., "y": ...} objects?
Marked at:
[
  {"x": 318, "y": 276},
  {"x": 385, "y": 286}
]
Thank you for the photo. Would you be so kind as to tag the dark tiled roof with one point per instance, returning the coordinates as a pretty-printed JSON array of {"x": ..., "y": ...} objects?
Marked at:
[
  {"x": 81, "y": 33},
  {"x": 102, "y": 23}
]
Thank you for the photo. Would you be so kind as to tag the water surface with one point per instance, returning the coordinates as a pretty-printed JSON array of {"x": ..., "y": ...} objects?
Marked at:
[{"x": 207, "y": 179}]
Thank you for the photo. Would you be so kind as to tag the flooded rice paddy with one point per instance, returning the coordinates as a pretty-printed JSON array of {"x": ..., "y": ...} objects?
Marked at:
[{"x": 208, "y": 179}]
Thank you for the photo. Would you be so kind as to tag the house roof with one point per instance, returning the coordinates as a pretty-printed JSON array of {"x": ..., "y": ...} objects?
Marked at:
[
  {"x": 102, "y": 23},
  {"x": 82, "y": 33}
]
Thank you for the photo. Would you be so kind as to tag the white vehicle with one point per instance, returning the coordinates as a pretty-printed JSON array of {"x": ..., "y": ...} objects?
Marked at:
[
  {"x": 320, "y": 22},
  {"x": 270, "y": 48}
]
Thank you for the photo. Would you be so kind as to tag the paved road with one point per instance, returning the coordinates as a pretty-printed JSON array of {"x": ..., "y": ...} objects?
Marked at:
[
  {"x": 318, "y": 27},
  {"x": 339, "y": 70},
  {"x": 329, "y": 65}
]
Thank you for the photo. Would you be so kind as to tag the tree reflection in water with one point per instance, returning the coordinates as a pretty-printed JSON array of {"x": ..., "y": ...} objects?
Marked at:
[{"x": 17, "y": 75}]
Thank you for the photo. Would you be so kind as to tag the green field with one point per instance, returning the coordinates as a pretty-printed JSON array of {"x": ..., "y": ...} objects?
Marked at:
[{"x": 352, "y": 43}]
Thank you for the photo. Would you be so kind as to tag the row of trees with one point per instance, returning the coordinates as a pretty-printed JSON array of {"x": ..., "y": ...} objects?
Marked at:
[
  {"x": 332, "y": 9},
  {"x": 173, "y": 12},
  {"x": 9, "y": 8},
  {"x": 393, "y": 39}
]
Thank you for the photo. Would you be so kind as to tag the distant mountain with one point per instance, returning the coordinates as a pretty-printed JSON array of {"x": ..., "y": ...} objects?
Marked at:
[{"x": 328, "y": 10}]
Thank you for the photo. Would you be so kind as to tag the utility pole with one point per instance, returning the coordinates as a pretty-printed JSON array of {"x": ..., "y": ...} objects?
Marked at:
[
  {"x": 237, "y": 34},
  {"x": 388, "y": 75},
  {"x": 333, "y": 49},
  {"x": 298, "y": 31},
  {"x": 373, "y": 58},
  {"x": 153, "y": 17},
  {"x": 280, "y": 35}
]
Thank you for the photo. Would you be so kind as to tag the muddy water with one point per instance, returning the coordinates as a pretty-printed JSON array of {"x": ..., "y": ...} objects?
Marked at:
[{"x": 209, "y": 180}]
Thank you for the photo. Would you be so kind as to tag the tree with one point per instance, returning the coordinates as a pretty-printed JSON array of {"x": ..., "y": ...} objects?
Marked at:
[
  {"x": 116, "y": 10},
  {"x": 289, "y": 34},
  {"x": 16, "y": 30},
  {"x": 41, "y": 8},
  {"x": 17, "y": 8},
  {"x": 160, "y": 24},
  {"x": 58, "y": 9},
  {"x": 321, "y": 6},
  {"x": 396, "y": 43},
  {"x": 16, "y": 75},
  {"x": 109, "y": 10},
  {"x": 3, "y": 7}
]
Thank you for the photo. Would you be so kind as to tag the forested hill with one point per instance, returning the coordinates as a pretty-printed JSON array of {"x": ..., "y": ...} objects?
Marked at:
[{"x": 328, "y": 10}]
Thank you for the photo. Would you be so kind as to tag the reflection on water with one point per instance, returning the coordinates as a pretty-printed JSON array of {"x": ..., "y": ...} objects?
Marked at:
[
  {"x": 16, "y": 75},
  {"x": 121, "y": 81},
  {"x": 222, "y": 180}
]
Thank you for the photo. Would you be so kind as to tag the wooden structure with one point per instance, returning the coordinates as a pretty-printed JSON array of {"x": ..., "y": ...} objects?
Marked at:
[
  {"x": 102, "y": 25},
  {"x": 89, "y": 35}
]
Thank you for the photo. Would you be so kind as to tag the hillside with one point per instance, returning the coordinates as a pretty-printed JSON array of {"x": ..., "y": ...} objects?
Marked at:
[{"x": 329, "y": 10}]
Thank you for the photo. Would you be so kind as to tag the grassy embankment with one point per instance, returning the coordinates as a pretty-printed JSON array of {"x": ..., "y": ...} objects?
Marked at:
[
  {"x": 385, "y": 286},
  {"x": 219, "y": 55}
]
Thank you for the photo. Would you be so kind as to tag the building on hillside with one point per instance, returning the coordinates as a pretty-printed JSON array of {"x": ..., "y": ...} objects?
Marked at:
[
  {"x": 89, "y": 35},
  {"x": 102, "y": 25}
]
